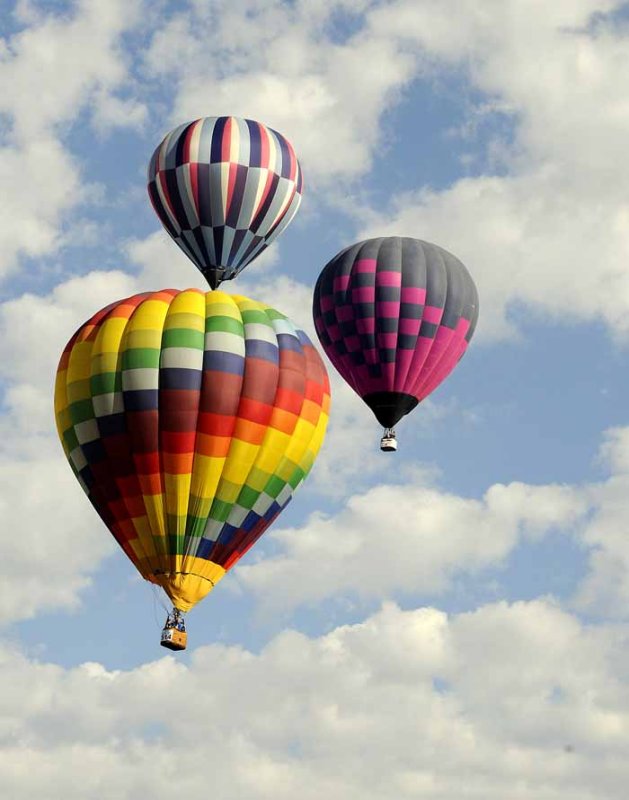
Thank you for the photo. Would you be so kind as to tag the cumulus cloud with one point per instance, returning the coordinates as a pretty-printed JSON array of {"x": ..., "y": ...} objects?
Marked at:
[
  {"x": 40, "y": 180},
  {"x": 51, "y": 69},
  {"x": 549, "y": 229},
  {"x": 51, "y": 540},
  {"x": 521, "y": 701},
  {"x": 159, "y": 263},
  {"x": 408, "y": 538},
  {"x": 605, "y": 590},
  {"x": 43, "y": 59},
  {"x": 291, "y": 66},
  {"x": 560, "y": 251}
]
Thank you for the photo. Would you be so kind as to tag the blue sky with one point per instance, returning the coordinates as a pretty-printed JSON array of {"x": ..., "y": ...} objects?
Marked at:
[{"x": 481, "y": 570}]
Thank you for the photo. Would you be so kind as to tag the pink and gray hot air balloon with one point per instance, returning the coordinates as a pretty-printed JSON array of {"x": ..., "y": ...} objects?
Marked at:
[{"x": 394, "y": 316}]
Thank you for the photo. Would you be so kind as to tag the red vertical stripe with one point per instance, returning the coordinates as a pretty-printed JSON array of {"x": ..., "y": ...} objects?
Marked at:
[
  {"x": 263, "y": 196},
  {"x": 264, "y": 147},
  {"x": 164, "y": 187},
  {"x": 186, "y": 142},
  {"x": 293, "y": 162}
]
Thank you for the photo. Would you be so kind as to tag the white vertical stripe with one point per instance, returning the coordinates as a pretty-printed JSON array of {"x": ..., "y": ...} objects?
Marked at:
[
  {"x": 194, "y": 141},
  {"x": 264, "y": 176},
  {"x": 224, "y": 187},
  {"x": 273, "y": 154}
]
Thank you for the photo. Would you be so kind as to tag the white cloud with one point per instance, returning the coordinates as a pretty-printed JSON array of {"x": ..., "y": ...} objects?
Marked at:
[
  {"x": 50, "y": 71},
  {"x": 530, "y": 241},
  {"x": 605, "y": 589},
  {"x": 160, "y": 263},
  {"x": 114, "y": 112},
  {"x": 291, "y": 67},
  {"x": 40, "y": 183},
  {"x": 408, "y": 537},
  {"x": 51, "y": 538},
  {"x": 56, "y": 63},
  {"x": 550, "y": 232},
  {"x": 520, "y": 701},
  {"x": 614, "y": 450}
]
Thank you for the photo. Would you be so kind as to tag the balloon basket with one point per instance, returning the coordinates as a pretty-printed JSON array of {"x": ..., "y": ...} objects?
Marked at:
[
  {"x": 174, "y": 639},
  {"x": 388, "y": 443},
  {"x": 174, "y": 635}
]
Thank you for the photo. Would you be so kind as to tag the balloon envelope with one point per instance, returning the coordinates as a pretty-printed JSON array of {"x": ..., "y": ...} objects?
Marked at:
[
  {"x": 189, "y": 420},
  {"x": 224, "y": 188},
  {"x": 394, "y": 316}
]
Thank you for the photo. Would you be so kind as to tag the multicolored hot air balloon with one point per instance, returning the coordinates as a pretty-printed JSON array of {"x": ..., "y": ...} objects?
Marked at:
[
  {"x": 394, "y": 316},
  {"x": 224, "y": 188},
  {"x": 189, "y": 419}
]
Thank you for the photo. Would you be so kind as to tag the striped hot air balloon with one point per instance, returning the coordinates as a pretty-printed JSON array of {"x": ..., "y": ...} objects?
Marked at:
[
  {"x": 394, "y": 316},
  {"x": 224, "y": 188},
  {"x": 189, "y": 419}
]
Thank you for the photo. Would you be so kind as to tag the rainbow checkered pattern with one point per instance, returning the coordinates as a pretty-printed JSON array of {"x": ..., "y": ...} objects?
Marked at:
[
  {"x": 394, "y": 316},
  {"x": 224, "y": 188},
  {"x": 190, "y": 419}
]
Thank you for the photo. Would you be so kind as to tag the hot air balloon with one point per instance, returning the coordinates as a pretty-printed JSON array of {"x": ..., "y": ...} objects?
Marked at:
[
  {"x": 394, "y": 316},
  {"x": 189, "y": 419},
  {"x": 224, "y": 188}
]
